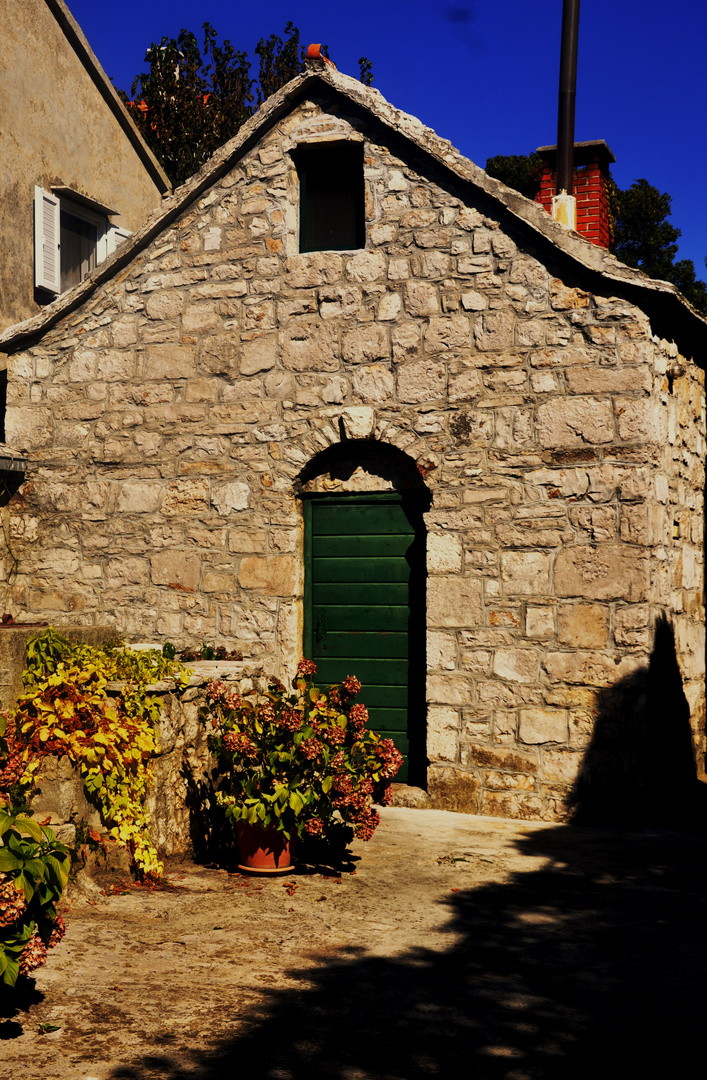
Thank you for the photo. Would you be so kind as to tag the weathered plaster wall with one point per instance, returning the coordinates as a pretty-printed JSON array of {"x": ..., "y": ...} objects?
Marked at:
[
  {"x": 56, "y": 129},
  {"x": 169, "y": 418}
]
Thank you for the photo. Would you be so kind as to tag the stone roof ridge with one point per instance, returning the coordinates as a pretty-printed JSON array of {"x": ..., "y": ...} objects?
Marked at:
[{"x": 528, "y": 214}]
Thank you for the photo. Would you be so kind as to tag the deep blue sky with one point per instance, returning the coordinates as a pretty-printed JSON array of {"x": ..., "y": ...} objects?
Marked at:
[{"x": 485, "y": 74}]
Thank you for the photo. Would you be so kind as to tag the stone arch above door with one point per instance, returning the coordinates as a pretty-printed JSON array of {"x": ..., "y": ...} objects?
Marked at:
[{"x": 365, "y": 465}]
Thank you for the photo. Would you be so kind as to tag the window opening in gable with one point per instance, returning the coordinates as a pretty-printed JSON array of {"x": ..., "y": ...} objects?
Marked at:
[
  {"x": 78, "y": 240},
  {"x": 331, "y": 196}
]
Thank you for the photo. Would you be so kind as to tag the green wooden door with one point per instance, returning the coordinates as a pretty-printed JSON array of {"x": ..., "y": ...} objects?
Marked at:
[{"x": 362, "y": 566}]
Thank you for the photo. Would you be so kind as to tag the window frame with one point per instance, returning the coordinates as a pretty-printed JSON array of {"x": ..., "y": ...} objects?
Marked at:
[
  {"x": 304, "y": 153},
  {"x": 47, "y": 232}
]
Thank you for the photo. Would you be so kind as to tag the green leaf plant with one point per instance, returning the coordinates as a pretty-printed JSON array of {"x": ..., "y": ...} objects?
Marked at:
[
  {"x": 65, "y": 711},
  {"x": 302, "y": 761},
  {"x": 34, "y": 870}
]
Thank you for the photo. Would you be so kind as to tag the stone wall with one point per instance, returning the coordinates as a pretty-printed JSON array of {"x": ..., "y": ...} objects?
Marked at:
[{"x": 170, "y": 418}]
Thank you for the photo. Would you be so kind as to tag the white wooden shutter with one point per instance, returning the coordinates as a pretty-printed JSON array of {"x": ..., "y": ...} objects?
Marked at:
[{"x": 47, "y": 264}]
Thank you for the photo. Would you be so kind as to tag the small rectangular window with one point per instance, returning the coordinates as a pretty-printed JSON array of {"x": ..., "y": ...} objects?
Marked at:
[
  {"x": 331, "y": 196},
  {"x": 78, "y": 249}
]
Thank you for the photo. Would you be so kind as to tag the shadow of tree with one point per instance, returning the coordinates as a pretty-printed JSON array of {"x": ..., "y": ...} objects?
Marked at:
[
  {"x": 593, "y": 964},
  {"x": 639, "y": 769}
]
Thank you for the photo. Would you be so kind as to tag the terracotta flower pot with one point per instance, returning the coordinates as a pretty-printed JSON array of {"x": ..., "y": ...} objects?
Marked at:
[{"x": 263, "y": 850}]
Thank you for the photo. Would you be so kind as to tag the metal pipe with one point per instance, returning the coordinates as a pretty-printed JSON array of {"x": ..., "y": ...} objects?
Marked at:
[{"x": 568, "y": 88}]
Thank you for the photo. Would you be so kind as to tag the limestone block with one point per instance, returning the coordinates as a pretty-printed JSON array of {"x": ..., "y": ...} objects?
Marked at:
[
  {"x": 398, "y": 269},
  {"x": 313, "y": 268},
  {"x": 514, "y": 804},
  {"x": 575, "y": 422},
  {"x": 389, "y": 307},
  {"x": 186, "y": 497},
  {"x": 641, "y": 420},
  {"x": 560, "y": 766},
  {"x": 507, "y": 781},
  {"x": 374, "y": 383},
  {"x": 178, "y": 569},
  {"x": 170, "y": 362},
  {"x": 228, "y": 497},
  {"x": 441, "y": 651},
  {"x": 525, "y": 573},
  {"x": 406, "y": 341},
  {"x": 583, "y": 626},
  {"x": 473, "y": 301},
  {"x": 421, "y": 298},
  {"x": 28, "y": 428},
  {"x": 138, "y": 497},
  {"x": 543, "y": 726},
  {"x": 444, "y": 553},
  {"x": 448, "y": 689},
  {"x": 599, "y": 379},
  {"x": 273, "y": 576},
  {"x": 497, "y": 757},
  {"x": 442, "y": 733},
  {"x": 359, "y": 421},
  {"x": 465, "y": 383},
  {"x": 126, "y": 571},
  {"x": 493, "y": 331},
  {"x": 549, "y": 358},
  {"x": 604, "y": 572},
  {"x": 564, "y": 298},
  {"x": 632, "y": 626},
  {"x": 590, "y": 668},
  {"x": 453, "y": 601},
  {"x": 517, "y": 665},
  {"x": 312, "y": 347},
  {"x": 258, "y": 353},
  {"x": 164, "y": 305},
  {"x": 453, "y": 789},
  {"x": 365, "y": 343},
  {"x": 447, "y": 332},
  {"x": 366, "y": 266},
  {"x": 216, "y": 581},
  {"x": 421, "y": 380}
]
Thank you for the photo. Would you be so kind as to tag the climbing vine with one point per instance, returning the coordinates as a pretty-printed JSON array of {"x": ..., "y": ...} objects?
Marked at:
[{"x": 66, "y": 712}]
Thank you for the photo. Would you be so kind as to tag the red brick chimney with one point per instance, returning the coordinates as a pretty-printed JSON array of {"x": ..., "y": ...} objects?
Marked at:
[{"x": 591, "y": 178}]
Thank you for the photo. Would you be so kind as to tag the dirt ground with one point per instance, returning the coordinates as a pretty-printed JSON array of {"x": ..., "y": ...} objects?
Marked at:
[{"x": 460, "y": 947}]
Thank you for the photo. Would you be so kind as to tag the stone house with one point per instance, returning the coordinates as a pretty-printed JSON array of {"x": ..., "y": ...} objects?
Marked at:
[
  {"x": 76, "y": 177},
  {"x": 345, "y": 394}
]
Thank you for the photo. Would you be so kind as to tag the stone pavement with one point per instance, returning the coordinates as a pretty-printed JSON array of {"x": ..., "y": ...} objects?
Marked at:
[{"x": 461, "y": 947}]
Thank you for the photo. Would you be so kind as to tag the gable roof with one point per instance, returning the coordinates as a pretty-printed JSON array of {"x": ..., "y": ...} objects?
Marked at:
[
  {"x": 77, "y": 39},
  {"x": 671, "y": 315}
]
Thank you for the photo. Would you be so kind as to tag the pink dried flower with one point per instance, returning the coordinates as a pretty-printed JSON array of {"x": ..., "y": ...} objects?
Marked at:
[
  {"x": 266, "y": 712},
  {"x": 58, "y": 931},
  {"x": 216, "y": 691},
  {"x": 315, "y": 826},
  {"x": 306, "y": 667},
  {"x": 386, "y": 796},
  {"x": 333, "y": 734},
  {"x": 311, "y": 748},
  {"x": 33, "y": 955},
  {"x": 290, "y": 720},
  {"x": 339, "y": 760},
  {"x": 238, "y": 743},
  {"x": 365, "y": 828},
  {"x": 343, "y": 783},
  {"x": 232, "y": 700},
  {"x": 12, "y": 901},
  {"x": 351, "y": 685},
  {"x": 392, "y": 759}
]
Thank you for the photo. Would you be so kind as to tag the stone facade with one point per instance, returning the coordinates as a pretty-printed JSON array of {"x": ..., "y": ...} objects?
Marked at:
[{"x": 173, "y": 418}]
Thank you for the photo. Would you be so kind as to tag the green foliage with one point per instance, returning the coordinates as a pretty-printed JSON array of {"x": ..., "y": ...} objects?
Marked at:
[
  {"x": 644, "y": 238},
  {"x": 34, "y": 870},
  {"x": 192, "y": 100},
  {"x": 299, "y": 761},
  {"x": 65, "y": 712},
  {"x": 521, "y": 172}
]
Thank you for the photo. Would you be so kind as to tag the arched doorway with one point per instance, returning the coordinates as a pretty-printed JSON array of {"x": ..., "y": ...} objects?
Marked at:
[{"x": 364, "y": 598}]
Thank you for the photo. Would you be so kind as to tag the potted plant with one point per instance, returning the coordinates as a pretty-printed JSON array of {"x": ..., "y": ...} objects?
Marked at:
[{"x": 294, "y": 764}]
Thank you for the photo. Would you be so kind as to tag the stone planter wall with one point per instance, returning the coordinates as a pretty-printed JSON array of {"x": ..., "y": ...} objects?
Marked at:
[{"x": 180, "y": 820}]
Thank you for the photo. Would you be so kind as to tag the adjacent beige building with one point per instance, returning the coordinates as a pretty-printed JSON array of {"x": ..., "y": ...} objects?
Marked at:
[
  {"x": 340, "y": 311},
  {"x": 76, "y": 177}
]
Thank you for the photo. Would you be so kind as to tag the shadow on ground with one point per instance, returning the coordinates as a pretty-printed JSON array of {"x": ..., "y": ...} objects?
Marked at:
[{"x": 593, "y": 965}]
